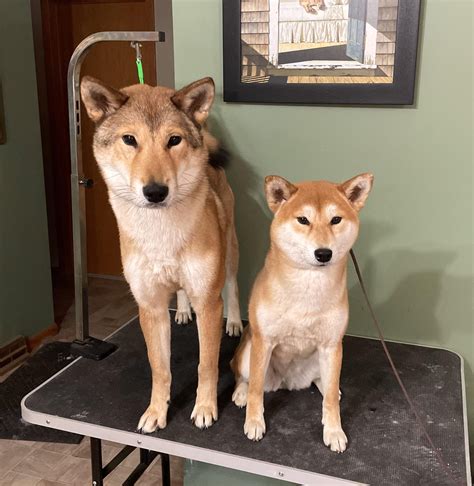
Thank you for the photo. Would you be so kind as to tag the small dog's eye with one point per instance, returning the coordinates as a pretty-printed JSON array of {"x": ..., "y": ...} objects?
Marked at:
[
  {"x": 129, "y": 140},
  {"x": 302, "y": 220},
  {"x": 174, "y": 140},
  {"x": 336, "y": 220}
]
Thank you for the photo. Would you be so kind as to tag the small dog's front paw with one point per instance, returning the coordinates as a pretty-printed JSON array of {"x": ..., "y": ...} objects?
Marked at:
[
  {"x": 234, "y": 328},
  {"x": 239, "y": 397},
  {"x": 204, "y": 416},
  {"x": 334, "y": 438},
  {"x": 254, "y": 428},
  {"x": 153, "y": 418},
  {"x": 183, "y": 316}
]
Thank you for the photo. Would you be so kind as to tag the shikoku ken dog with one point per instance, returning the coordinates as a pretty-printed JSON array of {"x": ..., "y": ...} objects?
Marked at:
[
  {"x": 299, "y": 307},
  {"x": 175, "y": 215}
]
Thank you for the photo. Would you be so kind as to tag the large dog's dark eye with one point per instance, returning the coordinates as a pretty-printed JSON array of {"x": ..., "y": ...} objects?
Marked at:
[
  {"x": 336, "y": 220},
  {"x": 129, "y": 140},
  {"x": 174, "y": 140},
  {"x": 302, "y": 220}
]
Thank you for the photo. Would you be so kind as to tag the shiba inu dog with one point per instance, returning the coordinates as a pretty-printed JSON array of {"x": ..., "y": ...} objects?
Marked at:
[
  {"x": 313, "y": 6},
  {"x": 175, "y": 214},
  {"x": 299, "y": 307}
]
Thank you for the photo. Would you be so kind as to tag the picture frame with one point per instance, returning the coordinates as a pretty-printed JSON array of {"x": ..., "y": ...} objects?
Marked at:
[{"x": 320, "y": 51}]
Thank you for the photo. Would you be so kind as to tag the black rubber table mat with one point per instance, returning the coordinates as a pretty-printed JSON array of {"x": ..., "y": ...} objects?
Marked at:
[
  {"x": 47, "y": 361},
  {"x": 385, "y": 443}
]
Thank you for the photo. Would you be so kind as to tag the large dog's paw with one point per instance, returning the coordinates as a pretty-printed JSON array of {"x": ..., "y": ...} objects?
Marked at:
[
  {"x": 204, "y": 415},
  {"x": 183, "y": 316},
  {"x": 254, "y": 427},
  {"x": 153, "y": 418},
  {"x": 239, "y": 397},
  {"x": 334, "y": 438},
  {"x": 234, "y": 328}
]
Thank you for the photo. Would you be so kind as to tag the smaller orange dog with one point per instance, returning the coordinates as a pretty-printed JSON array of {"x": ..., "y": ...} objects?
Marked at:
[{"x": 299, "y": 307}]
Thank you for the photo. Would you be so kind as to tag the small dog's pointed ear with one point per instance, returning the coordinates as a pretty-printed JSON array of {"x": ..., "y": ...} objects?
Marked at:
[
  {"x": 196, "y": 99},
  {"x": 277, "y": 191},
  {"x": 357, "y": 189},
  {"x": 100, "y": 100}
]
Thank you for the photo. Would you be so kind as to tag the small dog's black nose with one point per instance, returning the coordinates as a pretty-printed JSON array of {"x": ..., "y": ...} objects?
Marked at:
[
  {"x": 323, "y": 255},
  {"x": 155, "y": 193}
]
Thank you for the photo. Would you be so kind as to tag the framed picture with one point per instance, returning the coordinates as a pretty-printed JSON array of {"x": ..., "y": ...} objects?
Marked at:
[{"x": 320, "y": 51}]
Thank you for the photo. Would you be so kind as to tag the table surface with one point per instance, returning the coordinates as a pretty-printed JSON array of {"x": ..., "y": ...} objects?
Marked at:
[{"x": 105, "y": 399}]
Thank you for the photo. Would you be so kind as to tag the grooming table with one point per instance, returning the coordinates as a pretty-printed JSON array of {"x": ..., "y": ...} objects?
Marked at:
[{"x": 104, "y": 400}]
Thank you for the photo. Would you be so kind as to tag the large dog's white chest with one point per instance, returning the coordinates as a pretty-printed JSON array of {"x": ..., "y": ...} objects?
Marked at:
[{"x": 153, "y": 257}]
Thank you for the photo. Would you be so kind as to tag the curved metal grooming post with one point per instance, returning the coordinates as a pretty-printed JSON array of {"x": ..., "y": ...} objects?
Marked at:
[{"x": 79, "y": 182}]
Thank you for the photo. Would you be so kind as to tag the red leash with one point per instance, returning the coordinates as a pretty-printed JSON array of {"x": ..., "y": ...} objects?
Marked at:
[{"x": 397, "y": 376}]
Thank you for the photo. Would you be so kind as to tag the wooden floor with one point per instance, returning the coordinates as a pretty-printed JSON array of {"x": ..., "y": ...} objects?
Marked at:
[
  {"x": 302, "y": 46},
  {"x": 323, "y": 79},
  {"x": 24, "y": 463},
  {"x": 259, "y": 77},
  {"x": 339, "y": 79}
]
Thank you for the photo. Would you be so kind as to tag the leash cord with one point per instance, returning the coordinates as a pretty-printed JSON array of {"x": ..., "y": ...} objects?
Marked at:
[{"x": 397, "y": 375}]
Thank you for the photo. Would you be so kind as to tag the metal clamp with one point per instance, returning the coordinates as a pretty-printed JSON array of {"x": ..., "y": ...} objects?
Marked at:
[
  {"x": 87, "y": 183},
  {"x": 138, "y": 52}
]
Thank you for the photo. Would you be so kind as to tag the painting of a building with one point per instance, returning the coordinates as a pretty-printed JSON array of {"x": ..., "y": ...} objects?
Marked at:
[{"x": 320, "y": 41}]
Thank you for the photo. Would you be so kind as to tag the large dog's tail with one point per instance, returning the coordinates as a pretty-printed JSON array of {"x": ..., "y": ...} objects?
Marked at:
[{"x": 219, "y": 157}]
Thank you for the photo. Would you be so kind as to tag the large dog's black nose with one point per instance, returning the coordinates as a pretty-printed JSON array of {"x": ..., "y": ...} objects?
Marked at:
[
  {"x": 323, "y": 255},
  {"x": 155, "y": 193}
]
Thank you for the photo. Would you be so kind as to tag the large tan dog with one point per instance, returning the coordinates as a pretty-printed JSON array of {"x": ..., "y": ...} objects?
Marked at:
[
  {"x": 174, "y": 210},
  {"x": 299, "y": 307}
]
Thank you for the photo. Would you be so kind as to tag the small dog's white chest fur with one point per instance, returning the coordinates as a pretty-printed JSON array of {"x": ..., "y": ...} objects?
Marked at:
[
  {"x": 301, "y": 311},
  {"x": 297, "y": 320}
]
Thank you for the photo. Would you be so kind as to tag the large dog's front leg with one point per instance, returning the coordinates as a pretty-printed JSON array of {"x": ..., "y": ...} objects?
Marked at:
[
  {"x": 260, "y": 355},
  {"x": 155, "y": 324},
  {"x": 209, "y": 321},
  {"x": 330, "y": 361}
]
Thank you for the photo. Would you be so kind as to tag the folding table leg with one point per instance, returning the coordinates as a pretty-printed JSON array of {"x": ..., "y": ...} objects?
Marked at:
[
  {"x": 144, "y": 456},
  {"x": 165, "y": 470},
  {"x": 96, "y": 462}
]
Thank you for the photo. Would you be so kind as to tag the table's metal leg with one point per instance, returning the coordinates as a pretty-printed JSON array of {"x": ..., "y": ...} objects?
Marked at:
[
  {"x": 165, "y": 470},
  {"x": 144, "y": 456},
  {"x": 96, "y": 462}
]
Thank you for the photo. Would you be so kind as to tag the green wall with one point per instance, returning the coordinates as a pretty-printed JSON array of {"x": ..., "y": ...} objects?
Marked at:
[
  {"x": 25, "y": 279},
  {"x": 415, "y": 245}
]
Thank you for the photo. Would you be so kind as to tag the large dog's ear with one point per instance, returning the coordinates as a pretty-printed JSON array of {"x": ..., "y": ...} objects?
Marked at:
[
  {"x": 196, "y": 99},
  {"x": 277, "y": 191},
  {"x": 357, "y": 189},
  {"x": 100, "y": 100}
]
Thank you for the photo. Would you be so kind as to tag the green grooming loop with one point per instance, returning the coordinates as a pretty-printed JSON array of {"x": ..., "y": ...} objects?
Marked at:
[{"x": 138, "y": 54}]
